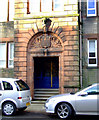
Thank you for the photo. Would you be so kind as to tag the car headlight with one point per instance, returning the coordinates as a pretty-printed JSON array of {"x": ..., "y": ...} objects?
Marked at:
[
  {"x": 50, "y": 100},
  {"x": 47, "y": 100}
]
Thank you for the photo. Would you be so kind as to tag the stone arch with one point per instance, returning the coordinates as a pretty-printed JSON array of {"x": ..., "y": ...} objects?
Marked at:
[
  {"x": 45, "y": 40},
  {"x": 38, "y": 46}
]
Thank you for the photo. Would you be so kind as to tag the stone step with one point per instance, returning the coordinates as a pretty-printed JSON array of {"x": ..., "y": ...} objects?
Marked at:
[
  {"x": 43, "y": 94},
  {"x": 41, "y": 98},
  {"x": 46, "y": 91},
  {"x": 37, "y": 102}
]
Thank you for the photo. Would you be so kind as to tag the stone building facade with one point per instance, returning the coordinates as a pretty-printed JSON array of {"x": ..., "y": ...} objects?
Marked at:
[
  {"x": 90, "y": 34},
  {"x": 60, "y": 41},
  {"x": 6, "y": 36},
  {"x": 46, "y": 47}
]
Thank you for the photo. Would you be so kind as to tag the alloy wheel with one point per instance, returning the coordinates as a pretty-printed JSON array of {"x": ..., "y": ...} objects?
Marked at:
[{"x": 63, "y": 110}]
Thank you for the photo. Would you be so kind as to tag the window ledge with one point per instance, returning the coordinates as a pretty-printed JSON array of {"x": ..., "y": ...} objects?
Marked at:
[
  {"x": 46, "y": 15},
  {"x": 6, "y": 68},
  {"x": 92, "y": 67}
]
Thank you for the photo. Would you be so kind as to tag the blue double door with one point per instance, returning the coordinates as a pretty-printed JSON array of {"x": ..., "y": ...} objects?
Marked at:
[{"x": 46, "y": 72}]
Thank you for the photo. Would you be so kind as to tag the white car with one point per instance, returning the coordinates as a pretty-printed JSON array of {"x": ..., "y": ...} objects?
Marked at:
[
  {"x": 14, "y": 95},
  {"x": 85, "y": 102}
]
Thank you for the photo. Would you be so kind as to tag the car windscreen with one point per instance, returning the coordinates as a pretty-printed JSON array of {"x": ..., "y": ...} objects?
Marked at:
[{"x": 21, "y": 85}]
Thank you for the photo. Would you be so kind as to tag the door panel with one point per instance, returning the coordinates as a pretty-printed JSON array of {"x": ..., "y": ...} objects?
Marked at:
[
  {"x": 86, "y": 103},
  {"x": 46, "y": 72},
  {"x": 89, "y": 102}
]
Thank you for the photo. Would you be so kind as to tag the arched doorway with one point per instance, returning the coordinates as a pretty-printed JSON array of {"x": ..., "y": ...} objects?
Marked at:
[{"x": 45, "y": 61}]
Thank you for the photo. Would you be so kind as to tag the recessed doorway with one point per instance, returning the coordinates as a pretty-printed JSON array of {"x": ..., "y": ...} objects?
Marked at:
[{"x": 46, "y": 72}]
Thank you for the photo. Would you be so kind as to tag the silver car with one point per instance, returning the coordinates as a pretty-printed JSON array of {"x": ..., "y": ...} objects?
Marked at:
[
  {"x": 85, "y": 102},
  {"x": 14, "y": 95}
]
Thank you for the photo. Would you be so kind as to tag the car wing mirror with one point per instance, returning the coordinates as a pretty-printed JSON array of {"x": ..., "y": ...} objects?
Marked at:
[{"x": 83, "y": 94}]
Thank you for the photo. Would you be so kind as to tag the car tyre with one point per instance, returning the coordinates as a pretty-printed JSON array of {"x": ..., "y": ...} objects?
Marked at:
[
  {"x": 22, "y": 109},
  {"x": 64, "y": 111},
  {"x": 8, "y": 109}
]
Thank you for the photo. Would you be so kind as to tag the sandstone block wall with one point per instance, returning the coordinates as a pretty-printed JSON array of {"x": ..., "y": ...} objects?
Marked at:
[{"x": 65, "y": 26}]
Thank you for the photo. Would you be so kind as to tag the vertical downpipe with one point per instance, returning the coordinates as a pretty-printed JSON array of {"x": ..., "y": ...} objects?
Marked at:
[{"x": 80, "y": 42}]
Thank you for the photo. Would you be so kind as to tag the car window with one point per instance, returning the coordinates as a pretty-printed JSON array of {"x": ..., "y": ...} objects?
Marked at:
[
  {"x": 0, "y": 87},
  {"x": 7, "y": 86},
  {"x": 93, "y": 90},
  {"x": 21, "y": 85}
]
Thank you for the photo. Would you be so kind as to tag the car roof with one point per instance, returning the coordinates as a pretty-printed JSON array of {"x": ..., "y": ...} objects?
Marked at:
[
  {"x": 95, "y": 84},
  {"x": 8, "y": 79}
]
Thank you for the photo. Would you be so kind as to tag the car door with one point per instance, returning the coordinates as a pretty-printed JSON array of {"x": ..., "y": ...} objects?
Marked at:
[{"x": 88, "y": 103}]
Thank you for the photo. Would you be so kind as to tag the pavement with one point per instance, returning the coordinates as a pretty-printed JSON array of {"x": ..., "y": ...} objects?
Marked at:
[{"x": 36, "y": 108}]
